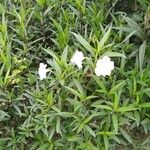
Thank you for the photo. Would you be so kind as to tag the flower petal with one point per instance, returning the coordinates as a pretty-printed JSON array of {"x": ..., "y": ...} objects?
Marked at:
[
  {"x": 104, "y": 66},
  {"x": 77, "y": 59},
  {"x": 42, "y": 71}
]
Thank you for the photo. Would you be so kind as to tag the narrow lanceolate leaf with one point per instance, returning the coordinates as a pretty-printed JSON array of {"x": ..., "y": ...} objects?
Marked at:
[
  {"x": 147, "y": 90},
  {"x": 146, "y": 141},
  {"x": 134, "y": 26},
  {"x": 90, "y": 97},
  {"x": 50, "y": 52},
  {"x": 3, "y": 115},
  {"x": 116, "y": 87},
  {"x": 128, "y": 37},
  {"x": 145, "y": 105},
  {"x": 7, "y": 76},
  {"x": 74, "y": 92},
  {"x": 126, "y": 135},
  {"x": 142, "y": 54},
  {"x": 116, "y": 139},
  {"x": 90, "y": 131},
  {"x": 106, "y": 142},
  {"x": 113, "y": 54},
  {"x": 58, "y": 130},
  {"x": 64, "y": 114},
  {"x": 86, "y": 120},
  {"x": 80, "y": 88},
  {"x": 100, "y": 83},
  {"x": 137, "y": 118},
  {"x": 84, "y": 43},
  {"x": 116, "y": 101},
  {"x": 115, "y": 122},
  {"x": 103, "y": 107},
  {"x": 105, "y": 38},
  {"x": 64, "y": 54},
  {"x": 126, "y": 108},
  {"x": 57, "y": 68}
]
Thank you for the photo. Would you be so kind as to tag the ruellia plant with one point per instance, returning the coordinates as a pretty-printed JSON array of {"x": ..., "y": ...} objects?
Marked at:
[{"x": 74, "y": 75}]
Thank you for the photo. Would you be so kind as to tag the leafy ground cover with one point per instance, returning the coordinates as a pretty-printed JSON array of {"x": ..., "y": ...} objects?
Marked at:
[{"x": 74, "y": 109}]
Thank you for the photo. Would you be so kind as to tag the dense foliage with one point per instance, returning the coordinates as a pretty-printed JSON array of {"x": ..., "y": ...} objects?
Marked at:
[{"x": 73, "y": 109}]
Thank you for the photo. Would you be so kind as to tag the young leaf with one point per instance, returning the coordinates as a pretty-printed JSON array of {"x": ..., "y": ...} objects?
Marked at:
[
  {"x": 64, "y": 54},
  {"x": 105, "y": 38},
  {"x": 116, "y": 101}
]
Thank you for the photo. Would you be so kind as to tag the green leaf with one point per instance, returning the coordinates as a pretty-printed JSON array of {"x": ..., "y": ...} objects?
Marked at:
[
  {"x": 7, "y": 76},
  {"x": 55, "y": 109},
  {"x": 142, "y": 54},
  {"x": 106, "y": 142},
  {"x": 146, "y": 141},
  {"x": 134, "y": 26},
  {"x": 90, "y": 131},
  {"x": 57, "y": 68},
  {"x": 73, "y": 92},
  {"x": 116, "y": 87},
  {"x": 137, "y": 118},
  {"x": 115, "y": 122},
  {"x": 18, "y": 110},
  {"x": 90, "y": 97},
  {"x": 113, "y": 54},
  {"x": 116, "y": 101},
  {"x": 3, "y": 115},
  {"x": 58, "y": 130},
  {"x": 147, "y": 90},
  {"x": 127, "y": 108},
  {"x": 100, "y": 83},
  {"x": 86, "y": 45},
  {"x": 105, "y": 38},
  {"x": 43, "y": 146},
  {"x": 125, "y": 135},
  {"x": 50, "y": 52},
  {"x": 64, "y": 114},
  {"x": 41, "y": 2},
  {"x": 108, "y": 133},
  {"x": 143, "y": 3},
  {"x": 80, "y": 89},
  {"x": 130, "y": 34},
  {"x": 64, "y": 54},
  {"x": 145, "y": 105},
  {"x": 116, "y": 139},
  {"x": 103, "y": 107},
  {"x": 50, "y": 99},
  {"x": 86, "y": 120}
]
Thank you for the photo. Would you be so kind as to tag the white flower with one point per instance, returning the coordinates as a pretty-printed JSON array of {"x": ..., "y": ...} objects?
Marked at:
[
  {"x": 77, "y": 59},
  {"x": 104, "y": 66},
  {"x": 42, "y": 71}
]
